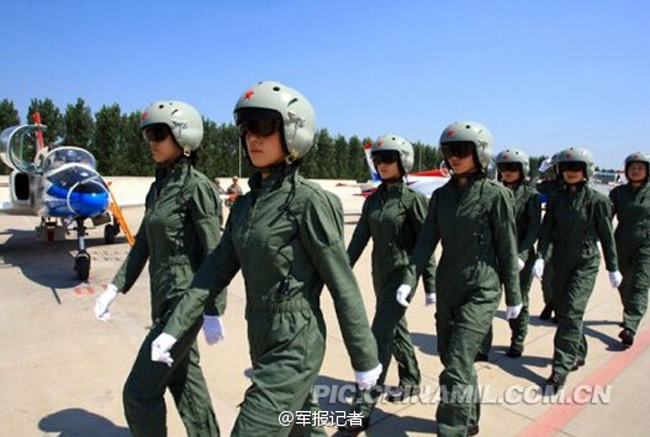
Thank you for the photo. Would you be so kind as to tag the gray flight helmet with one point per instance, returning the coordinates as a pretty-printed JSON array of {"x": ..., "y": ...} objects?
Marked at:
[
  {"x": 395, "y": 143},
  {"x": 183, "y": 120},
  {"x": 517, "y": 156},
  {"x": 298, "y": 116},
  {"x": 578, "y": 154},
  {"x": 638, "y": 157},
  {"x": 476, "y": 133}
]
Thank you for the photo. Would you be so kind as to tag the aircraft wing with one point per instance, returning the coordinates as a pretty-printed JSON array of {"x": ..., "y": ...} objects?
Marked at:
[
  {"x": 429, "y": 185},
  {"x": 602, "y": 188},
  {"x": 7, "y": 208}
]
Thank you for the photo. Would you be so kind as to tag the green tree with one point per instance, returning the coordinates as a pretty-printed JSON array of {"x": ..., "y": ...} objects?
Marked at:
[
  {"x": 357, "y": 160},
  {"x": 8, "y": 114},
  {"x": 324, "y": 157},
  {"x": 107, "y": 141},
  {"x": 79, "y": 125},
  {"x": 50, "y": 117},
  {"x": 8, "y": 117},
  {"x": 134, "y": 157},
  {"x": 341, "y": 168}
]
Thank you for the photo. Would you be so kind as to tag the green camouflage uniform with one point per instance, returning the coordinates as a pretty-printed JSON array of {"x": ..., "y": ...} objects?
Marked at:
[
  {"x": 179, "y": 229},
  {"x": 632, "y": 208},
  {"x": 393, "y": 217},
  {"x": 286, "y": 235},
  {"x": 574, "y": 223},
  {"x": 476, "y": 227}
]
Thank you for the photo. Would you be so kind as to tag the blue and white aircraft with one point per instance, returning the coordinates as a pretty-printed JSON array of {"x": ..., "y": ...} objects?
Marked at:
[{"x": 60, "y": 184}]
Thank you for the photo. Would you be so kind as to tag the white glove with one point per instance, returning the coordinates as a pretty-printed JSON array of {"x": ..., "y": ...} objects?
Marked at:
[
  {"x": 430, "y": 299},
  {"x": 615, "y": 278},
  {"x": 160, "y": 349},
  {"x": 213, "y": 329},
  {"x": 513, "y": 312},
  {"x": 104, "y": 301},
  {"x": 522, "y": 264},
  {"x": 368, "y": 379},
  {"x": 538, "y": 269},
  {"x": 403, "y": 292}
]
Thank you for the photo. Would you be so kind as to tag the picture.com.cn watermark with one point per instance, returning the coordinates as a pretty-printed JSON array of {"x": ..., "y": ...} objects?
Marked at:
[{"x": 510, "y": 395}]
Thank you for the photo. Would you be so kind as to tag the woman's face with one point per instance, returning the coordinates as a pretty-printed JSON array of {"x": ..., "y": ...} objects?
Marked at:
[
  {"x": 388, "y": 171},
  {"x": 573, "y": 174},
  {"x": 637, "y": 172},
  {"x": 460, "y": 156},
  {"x": 510, "y": 172},
  {"x": 264, "y": 150},
  {"x": 387, "y": 165},
  {"x": 462, "y": 165},
  {"x": 161, "y": 142}
]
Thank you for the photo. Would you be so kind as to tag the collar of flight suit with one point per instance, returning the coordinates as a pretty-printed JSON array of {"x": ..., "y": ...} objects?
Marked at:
[
  {"x": 275, "y": 179},
  {"x": 394, "y": 185}
]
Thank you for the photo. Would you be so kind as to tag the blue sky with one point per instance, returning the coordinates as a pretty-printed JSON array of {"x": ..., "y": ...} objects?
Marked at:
[{"x": 542, "y": 75}]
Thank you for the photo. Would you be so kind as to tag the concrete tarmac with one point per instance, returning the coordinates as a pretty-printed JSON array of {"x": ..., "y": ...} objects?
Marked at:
[{"x": 63, "y": 371}]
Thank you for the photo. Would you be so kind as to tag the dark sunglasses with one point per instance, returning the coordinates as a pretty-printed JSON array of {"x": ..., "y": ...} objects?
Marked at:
[
  {"x": 261, "y": 126},
  {"x": 457, "y": 149},
  {"x": 156, "y": 133},
  {"x": 384, "y": 158},
  {"x": 508, "y": 166},
  {"x": 572, "y": 166}
]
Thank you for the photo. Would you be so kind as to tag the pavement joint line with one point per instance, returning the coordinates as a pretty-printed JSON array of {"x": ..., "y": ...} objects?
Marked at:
[{"x": 555, "y": 418}]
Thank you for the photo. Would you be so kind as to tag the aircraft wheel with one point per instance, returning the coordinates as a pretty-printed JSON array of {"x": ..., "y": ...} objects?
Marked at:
[
  {"x": 109, "y": 234},
  {"x": 82, "y": 266}
]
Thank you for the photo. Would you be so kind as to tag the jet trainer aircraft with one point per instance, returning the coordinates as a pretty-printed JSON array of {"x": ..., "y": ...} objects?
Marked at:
[{"x": 61, "y": 185}]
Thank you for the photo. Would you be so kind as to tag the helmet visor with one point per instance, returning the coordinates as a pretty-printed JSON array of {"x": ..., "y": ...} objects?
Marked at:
[
  {"x": 459, "y": 149},
  {"x": 509, "y": 166},
  {"x": 572, "y": 166},
  {"x": 156, "y": 132},
  {"x": 261, "y": 126},
  {"x": 385, "y": 157}
]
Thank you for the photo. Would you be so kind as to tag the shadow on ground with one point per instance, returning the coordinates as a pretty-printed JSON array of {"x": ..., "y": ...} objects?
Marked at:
[{"x": 77, "y": 422}]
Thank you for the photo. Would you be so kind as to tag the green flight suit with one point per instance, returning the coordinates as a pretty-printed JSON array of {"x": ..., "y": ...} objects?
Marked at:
[
  {"x": 393, "y": 217},
  {"x": 548, "y": 189},
  {"x": 632, "y": 207},
  {"x": 286, "y": 235},
  {"x": 528, "y": 217},
  {"x": 574, "y": 223},
  {"x": 476, "y": 227},
  {"x": 179, "y": 229}
]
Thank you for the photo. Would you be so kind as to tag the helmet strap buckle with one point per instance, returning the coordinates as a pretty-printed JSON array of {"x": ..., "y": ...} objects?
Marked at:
[{"x": 291, "y": 157}]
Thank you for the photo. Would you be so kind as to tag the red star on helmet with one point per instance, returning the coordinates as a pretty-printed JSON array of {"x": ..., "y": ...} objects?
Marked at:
[
  {"x": 451, "y": 133},
  {"x": 379, "y": 143},
  {"x": 248, "y": 94}
]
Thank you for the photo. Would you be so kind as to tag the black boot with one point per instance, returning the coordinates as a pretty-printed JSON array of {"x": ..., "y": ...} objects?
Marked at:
[
  {"x": 547, "y": 311},
  {"x": 514, "y": 351},
  {"x": 627, "y": 337},
  {"x": 554, "y": 383},
  {"x": 472, "y": 430},
  {"x": 480, "y": 356},
  {"x": 353, "y": 428},
  {"x": 578, "y": 364}
]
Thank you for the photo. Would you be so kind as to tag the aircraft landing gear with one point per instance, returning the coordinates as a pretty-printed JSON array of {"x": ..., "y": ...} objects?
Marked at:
[
  {"x": 82, "y": 259},
  {"x": 110, "y": 232},
  {"x": 82, "y": 265}
]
